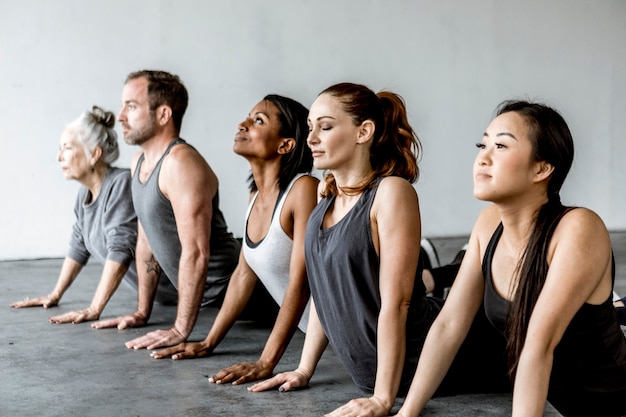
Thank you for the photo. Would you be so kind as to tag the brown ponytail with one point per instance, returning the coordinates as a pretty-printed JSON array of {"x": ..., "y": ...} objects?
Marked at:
[{"x": 395, "y": 148}]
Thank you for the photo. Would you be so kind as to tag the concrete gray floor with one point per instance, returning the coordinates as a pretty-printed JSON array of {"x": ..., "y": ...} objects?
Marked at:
[{"x": 73, "y": 370}]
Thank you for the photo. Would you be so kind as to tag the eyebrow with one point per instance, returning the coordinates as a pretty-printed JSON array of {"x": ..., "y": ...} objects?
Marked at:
[
  {"x": 320, "y": 118},
  {"x": 259, "y": 112},
  {"x": 511, "y": 135}
]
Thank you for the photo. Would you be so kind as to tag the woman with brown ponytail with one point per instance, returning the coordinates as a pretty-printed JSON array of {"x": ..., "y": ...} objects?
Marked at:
[
  {"x": 544, "y": 272},
  {"x": 362, "y": 248}
]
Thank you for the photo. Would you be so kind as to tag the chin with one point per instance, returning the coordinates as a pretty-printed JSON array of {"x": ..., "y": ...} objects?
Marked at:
[{"x": 481, "y": 195}]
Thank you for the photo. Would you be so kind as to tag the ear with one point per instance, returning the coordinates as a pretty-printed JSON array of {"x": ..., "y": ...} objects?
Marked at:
[
  {"x": 286, "y": 145},
  {"x": 543, "y": 171},
  {"x": 366, "y": 132},
  {"x": 96, "y": 154},
  {"x": 163, "y": 114}
]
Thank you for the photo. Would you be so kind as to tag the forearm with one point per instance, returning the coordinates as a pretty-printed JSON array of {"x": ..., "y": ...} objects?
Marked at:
[
  {"x": 191, "y": 282},
  {"x": 440, "y": 348},
  {"x": 112, "y": 274},
  {"x": 315, "y": 343},
  {"x": 286, "y": 324},
  {"x": 69, "y": 272},
  {"x": 531, "y": 383},
  {"x": 238, "y": 293},
  {"x": 391, "y": 351},
  {"x": 148, "y": 274}
]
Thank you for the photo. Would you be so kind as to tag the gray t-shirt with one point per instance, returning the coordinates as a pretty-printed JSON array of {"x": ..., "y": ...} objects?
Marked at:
[{"x": 106, "y": 227}]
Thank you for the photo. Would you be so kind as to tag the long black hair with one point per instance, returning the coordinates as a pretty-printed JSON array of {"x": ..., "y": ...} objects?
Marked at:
[{"x": 551, "y": 142}]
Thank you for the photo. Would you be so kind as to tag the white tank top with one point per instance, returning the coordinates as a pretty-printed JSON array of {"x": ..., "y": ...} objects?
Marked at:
[{"x": 271, "y": 257}]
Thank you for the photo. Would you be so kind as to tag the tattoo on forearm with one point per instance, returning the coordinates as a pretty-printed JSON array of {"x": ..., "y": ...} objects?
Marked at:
[{"x": 152, "y": 265}]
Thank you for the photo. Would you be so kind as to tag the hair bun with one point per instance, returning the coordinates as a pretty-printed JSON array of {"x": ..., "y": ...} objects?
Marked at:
[{"x": 104, "y": 117}]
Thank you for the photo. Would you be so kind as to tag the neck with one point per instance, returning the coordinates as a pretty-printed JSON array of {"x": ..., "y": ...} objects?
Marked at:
[
  {"x": 352, "y": 177},
  {"x": 266, "y": 176},
  {"x": 93, "y": 180},
  {"x": 154, "y": 147},
  {"x": 518, "y": 219}
]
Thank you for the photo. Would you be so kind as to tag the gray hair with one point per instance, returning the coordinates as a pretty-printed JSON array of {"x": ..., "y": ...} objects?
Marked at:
[{"x": 95, "y": 129}]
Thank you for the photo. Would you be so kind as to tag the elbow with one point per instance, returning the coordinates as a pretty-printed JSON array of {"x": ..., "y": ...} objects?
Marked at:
[
  {"x": 536, "y": 354},
  {"x": 197, "y": 257},
  {"x": 397, "y": 311}
]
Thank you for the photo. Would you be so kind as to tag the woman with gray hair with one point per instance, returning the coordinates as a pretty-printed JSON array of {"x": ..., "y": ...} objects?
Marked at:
[{"x": 106, "y": 224}]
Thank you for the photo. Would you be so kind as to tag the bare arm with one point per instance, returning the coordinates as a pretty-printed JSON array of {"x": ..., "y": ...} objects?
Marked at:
[
  {"x": 396, "y": 231},
  {"x": 69, "y": 272},
  {"x": 189, "y": 184},
  {"x": 451, "y": 326},
  {"x": 579, "y": 271},
  {"x": 240, "y": 289},
  {"x": 298, "y": 206},
  {"x": 315, "y": 343}
]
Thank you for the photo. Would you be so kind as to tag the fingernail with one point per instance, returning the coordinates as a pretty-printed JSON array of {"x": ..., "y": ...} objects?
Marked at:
[
  {"x": 281, "y": 389},
  {"x": 174, "y": 357},
  {"x": 211, "y": 380}
]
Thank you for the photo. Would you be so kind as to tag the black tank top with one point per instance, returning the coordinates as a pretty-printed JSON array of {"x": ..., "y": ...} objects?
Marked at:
[
  {"x": 589, "y": 369},
  {"x": 343, "y": 271}
]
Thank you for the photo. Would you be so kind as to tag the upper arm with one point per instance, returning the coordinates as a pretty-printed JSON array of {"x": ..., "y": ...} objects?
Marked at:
[
  {"x": 396, "y": 231},
  {"x": 187, "y": 181},
  {"x": 120, "y": 220},
  {"x": 579, "y": 272},
  {"x": 468, "y": 290},
  {"x": 294, "y": 218}
]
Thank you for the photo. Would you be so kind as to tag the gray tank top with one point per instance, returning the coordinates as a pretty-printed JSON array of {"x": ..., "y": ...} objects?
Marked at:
[
  {"x": 156, "y": 215},
  {"x": 343, "y": 270}
]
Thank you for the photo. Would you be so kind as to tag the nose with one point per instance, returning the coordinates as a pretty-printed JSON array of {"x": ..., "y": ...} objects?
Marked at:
[
  {"x": 243, "y": 126},
  {"x": 121, "y": 115},
  {"x": 312, "y": 138},
  {"x": 483, "y": 157},
  {"x": 60, "y": 155}
]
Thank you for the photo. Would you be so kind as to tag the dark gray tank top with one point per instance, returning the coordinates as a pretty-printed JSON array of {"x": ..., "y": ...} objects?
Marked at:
[
  {"x": 156, "y": 215},
  {"x": 343, "y": 271}
]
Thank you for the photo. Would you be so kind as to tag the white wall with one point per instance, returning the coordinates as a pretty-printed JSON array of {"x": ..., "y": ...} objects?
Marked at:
[{"x": 452, "y": 60}]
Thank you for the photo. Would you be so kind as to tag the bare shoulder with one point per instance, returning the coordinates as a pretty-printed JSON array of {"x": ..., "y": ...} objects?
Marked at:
[
  {"x": 185, "y": 157},
  {"x": 187, "y": 163},
  {"x": 395, "y": 187},
  {"x": 395, "y": 195},
  {"x": 303, "y": 195},
  {"x": 486, "y": 223},
  {"x": 304, "y": 186},
  {"x": 582, "y": 224},
  {"x": 185, "y": 170},
  {"x": 582, "y": 216}
]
